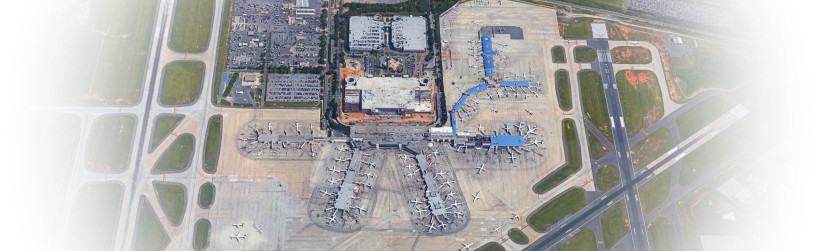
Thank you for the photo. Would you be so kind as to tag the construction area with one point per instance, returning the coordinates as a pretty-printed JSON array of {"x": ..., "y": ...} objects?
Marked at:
[{"x": 388, "y": 99}]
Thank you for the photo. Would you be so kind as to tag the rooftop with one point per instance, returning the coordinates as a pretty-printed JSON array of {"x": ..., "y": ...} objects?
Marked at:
[{"x": 393, "y": 93}]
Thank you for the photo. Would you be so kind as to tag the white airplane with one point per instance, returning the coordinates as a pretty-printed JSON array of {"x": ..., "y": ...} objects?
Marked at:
[
  {"x": 448, "y": 183},
  {"x": 531, "y": 130},
  {"x": 368, "y": 174},
  {"x": 516, "y": 96},
  {"x": 442, "y": 225},
  {"x": 419, "y": 211},
  {"x": 480, "y": 169},
  {"x": 495, "y": 230},
  {"x": 455, "y": 204},
  {"x": 450, "y": 195},
  {"x": 340, "y": 149},
  {"x": 371, "y": 164},
  {"x": 258, "y": 228},
  {"x": 466, "y": 247},
  {"x": 334, "y": 170},
  {"x": 528, "y": 111},
  {"x": 411, "y": 174},
  {"x": 363, "y": 184},
  {"x": 325, "y": 192},
  {"x": 430, "y": 227},
  {"x": 437, "y": 153},
  {"x": 415, "y": 202},
  {"x": 269, "y": 127},
  {"x": 238, "y": 224},
  {"x": 410, "y": 166},
  {"x": 259, "y": 153},
  {"x": 237, "y": 237},
  {"x": 442, "y": 173},
  {"x": 297, "y": 125},
  {"x": 404, "y": 157},
  {"x": 536, "y": 142},
  {"x": 512, "y": 159},
  {"x": 360, "y": 209},
  {"x": 494, "y": 110},
  {"x": 480, "y": 129},
  {"x": 341, "y": 160},
  {"x": 331, "y": 219},
  {"x": 506, "y": 128},
  {"x": 334, "y": 181},
  {"x": 516, "y": 217},
  {"x": 477, "y": 196}
]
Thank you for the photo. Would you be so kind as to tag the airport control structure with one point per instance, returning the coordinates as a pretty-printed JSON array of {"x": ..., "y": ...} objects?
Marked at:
[{"x": 345, "y": 194}]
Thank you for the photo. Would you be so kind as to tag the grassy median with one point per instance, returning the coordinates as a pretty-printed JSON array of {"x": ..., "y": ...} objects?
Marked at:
[
  {"x": 109, "y": 145},
  {"x": 212, "y": 140},
  {"x": 172, "y": 198},
  {"x": 556, "y": 209},
  {"x": 572, "y": 149},
  {"x": 178, "y": 155},
  {"x": 192, "y": 25}
]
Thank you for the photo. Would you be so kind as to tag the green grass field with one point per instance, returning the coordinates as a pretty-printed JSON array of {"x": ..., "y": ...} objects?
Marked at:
[
  {"x": 178, "y": 155},
  {"x": 492, "y": 246},
  {"x": 655, "y": 191},
  {"x": 206, "y": 195},
  {"x": 109, "y": 145},
  {"x": 568, "y": 203},
  {"x": 181, "y": 83},
  {"x": 594, "y": 102},
  {"x": 150, "y": 235},
  {"x": 192, "y": 25},
  {"x": 584, "y": 240},
  {"x": 517, "y": 236},
  {"x": 172, "y": 198},
  {"x": 559, "y": 55},
  {"x": 585, "y": 54},
  {"x": 709, "y": 155},
  {"x": 577, "y": 28},
  {"x": 712, "y": 68},
  {"x": 212, "y": 141},
  {"x": 700, "y": 115},
  {"x": 201, "y": 230},
  {"x": 651, "y": 147},
  {"x": 661, "y": 234},
  {"x": 641, "y": 100},
  {"x": 631, "y": 55},
  {"x": 596, "y": 148},
  {"x": 95, "y": 212},
  {"x": 163, "y": 125},
  {"x": 562, "y": 90},
  {"x": 614, "y": 224},
  {"x": 572, "y": 149},
  {"x": 607, "y": 177},
  {"x": 222, "y": 52},
  {"x": 124, "y": 35}
]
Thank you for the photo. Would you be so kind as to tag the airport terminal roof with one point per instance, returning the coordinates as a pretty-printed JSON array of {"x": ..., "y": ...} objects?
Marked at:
[
  {"x": 487, "y": 50},
  {"x": 384, "y": 93},
  {"x": 506, "y": 140},
  {"x": 515, "y": 83}
]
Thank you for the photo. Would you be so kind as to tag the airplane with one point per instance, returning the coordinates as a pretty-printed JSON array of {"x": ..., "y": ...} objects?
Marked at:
[
  {"x": 436, "y": 153},
  {"x": 333, "y": 170},
  {"x": 512, "y": 159},
  {"x": 448, "y": 183},
  {"x": 506, "y": 128},
  {"x": 325, "y": 192},
  {"x": 404, "y": 157},
  {"x": 415, "y": 202},
  {"x": 371, "y": 164},
  {"x": 494, "y": 110},
  {"x": 411, "y": 174},
  {"x": 238, "y": 225},
  {"x": 442, "y": 173},
  {"x": 258, "y": 228},
  {"x": 480, "y": 169},
  {"x": 455, "y": 204},
  {"x": 516, "y": 217},
  {"x": 430, "y": 227},
  {"x": 237, "y": 237},
  {"x": 480, "y": 129},
  {"x": 269, "y": 127},
  {"x": 410, "y": 166},
  {"x": 536, "y": 142},
  {"x": 331, "y": 219},
  {"x": 334, "y": 181},
  {"x": 466, "y": 247},
  {"x": 516, "y": 96},
  {"x": 340, "y": 149},
  {"x": 341, "y": 160},
  {"x": 297, "y": 125},
  {"x": 490, "y": 96},
  {"x": 495, "y": 230},
  {"x": 360, "y": 209},
  {"x": 449, "y": 195},
  {"x": 419, "y": 211},
  {"x": 519, "y": 126},
  {"x": 363, "y": 184},
  {"x": 259, "y": 153},
  {"x": 477, "y": 196},
  {"x": 531, "y": 130},
  {"x": 528, "y": 111},
  {"x": 443, "y": 225},
  {"x": 368, "y": 174}
]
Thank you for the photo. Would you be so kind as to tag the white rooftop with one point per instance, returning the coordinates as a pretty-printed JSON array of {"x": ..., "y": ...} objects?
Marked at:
[
  {"x": 385, "y": 93},
  {"x": 599, "y": 30}
]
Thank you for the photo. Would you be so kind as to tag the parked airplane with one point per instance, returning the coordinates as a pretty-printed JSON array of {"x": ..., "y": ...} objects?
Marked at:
[
  {"x": 419, "y": 211},
  {"x": 269, "y": 127},
  {"x": 340, "y": 149},
  {"x": 531, "y": 130},
  {"x": 258, "y": 228},
  {"x": 410, "y": 166},
  {"x": 480, "y": 169},
  {"x": 448, "y": 183},
  {"x": 455, "y": 204},
  {"x": 404, "y": 157},
  {"x": 371, "y": 164},
  {"x": 442, "y": 173},
  {"x": 332, "y": 219},
  {"x": 325, "y": 192},
  {"x": 334, "y": 170},
  {"x": 415, "y": 202},
  {"x": 477, "y": 196},
  {"x": 506, "y": 128},
  {"x": 516, "y": 217},
  {"x": 410, "y": 174},
  {"x": 341, "y": 160},
  {"x": 512, "y": 159},
  {"x": 238, "y": 224},
  {"x": 237, "y": 237},
  {"x": 495, "y": 230},
  {"x": 466, "y": 247},
  {"x": 334, "y": 181},
  {"x": 528, "y": 111}
]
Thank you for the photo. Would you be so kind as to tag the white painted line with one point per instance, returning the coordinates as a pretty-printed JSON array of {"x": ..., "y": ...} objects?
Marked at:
[
  {"x": 670, "y": 152},
  {"x": 680, "y": 156},
  {"x": 612, "y": 120},
  {"x": 622, "y": 121}
]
